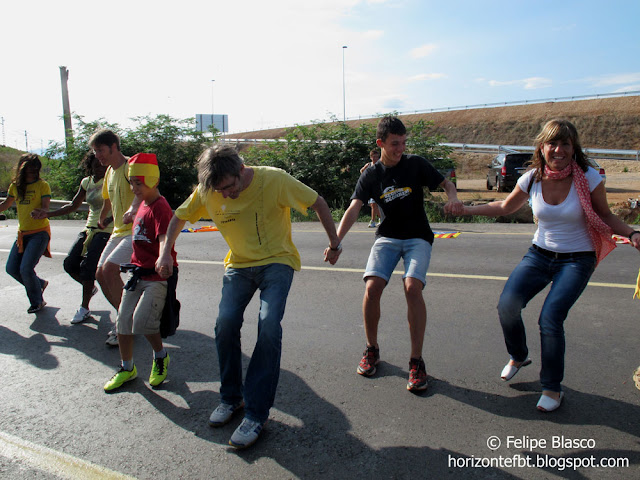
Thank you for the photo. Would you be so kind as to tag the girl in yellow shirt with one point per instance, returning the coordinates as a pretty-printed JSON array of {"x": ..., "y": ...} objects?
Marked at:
[{"x": 29, "y": 192}]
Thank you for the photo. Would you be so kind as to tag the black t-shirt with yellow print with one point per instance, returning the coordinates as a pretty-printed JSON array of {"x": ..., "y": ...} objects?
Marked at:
[{"x": 398, "y": 192}]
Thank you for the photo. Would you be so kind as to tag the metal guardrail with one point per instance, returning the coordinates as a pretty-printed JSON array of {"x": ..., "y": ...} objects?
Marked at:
[
  {"x": 600, "y": 153},
  {"x": 56, "y": 204},
  {"x": 526, "y": 102}
]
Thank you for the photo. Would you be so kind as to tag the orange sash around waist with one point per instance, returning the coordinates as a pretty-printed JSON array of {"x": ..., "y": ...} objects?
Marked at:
[{"x": 21, "y": 235}]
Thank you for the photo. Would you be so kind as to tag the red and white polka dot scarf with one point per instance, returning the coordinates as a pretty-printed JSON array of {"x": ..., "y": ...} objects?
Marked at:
[{"x": 599, "y": 231}]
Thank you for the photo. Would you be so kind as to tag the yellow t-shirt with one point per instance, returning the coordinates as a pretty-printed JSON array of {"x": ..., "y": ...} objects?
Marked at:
[
  {"x": 257, "y": 224},
  {"x": 117, "y": 189},
  {"x": 33, "y": 196}
]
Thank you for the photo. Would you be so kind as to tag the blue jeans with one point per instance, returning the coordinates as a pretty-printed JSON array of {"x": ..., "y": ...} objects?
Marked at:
[
  {"x": 21, "y": 266},
  {"x": 238, "y": 287},
  {"x": 568, "y": 278}
]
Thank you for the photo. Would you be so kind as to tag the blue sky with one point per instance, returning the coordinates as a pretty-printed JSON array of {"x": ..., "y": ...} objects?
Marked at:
[{"x": 279, "y": 62}]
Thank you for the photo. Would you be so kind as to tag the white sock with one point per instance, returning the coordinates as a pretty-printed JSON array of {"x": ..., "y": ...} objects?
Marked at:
[{"x": 127, "y": 365}]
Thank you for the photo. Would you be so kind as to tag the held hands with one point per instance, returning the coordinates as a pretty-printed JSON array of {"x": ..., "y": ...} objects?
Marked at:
[
  {"x": 455, "y": 208},
  {"x": 39, "y": 214},
  {"x": 635, "y": 240},
  {"x": 164, "y": 266},
  {"x": 332, "y": 256}
]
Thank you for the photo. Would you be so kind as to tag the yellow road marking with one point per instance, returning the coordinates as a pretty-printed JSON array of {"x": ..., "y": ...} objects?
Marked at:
[{"x": 56, "y": 463}]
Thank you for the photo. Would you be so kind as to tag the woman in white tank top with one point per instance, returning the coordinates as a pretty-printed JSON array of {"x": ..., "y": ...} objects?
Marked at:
[{"x": 574, "y": 232}]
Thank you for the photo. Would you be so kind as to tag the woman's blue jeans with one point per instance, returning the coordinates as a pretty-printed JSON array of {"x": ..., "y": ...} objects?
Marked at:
[
  {"x": 238, "y": 287},
  {"x": 21, "y": 266},
  {"x": 568, "y": 278}
]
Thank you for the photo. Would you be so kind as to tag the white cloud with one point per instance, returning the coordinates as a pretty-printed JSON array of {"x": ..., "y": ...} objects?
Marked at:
[
  {"x": 531, "y": 83},
  {"x": 427, "y": 76},
  {"x": 423, "y": 51},
  {"x": 534, "y": 83},
  {"x": 372, "y": 34},
  {"x": 615, "y": 79},
  {"x": 628, "y": 88}
]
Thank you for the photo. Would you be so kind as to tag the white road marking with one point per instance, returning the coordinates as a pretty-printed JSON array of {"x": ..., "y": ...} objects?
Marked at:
[
  {"x": 56, "y": 463},
  {"x": 429, "y": 274},
  {"x": 396, "y": 272}
]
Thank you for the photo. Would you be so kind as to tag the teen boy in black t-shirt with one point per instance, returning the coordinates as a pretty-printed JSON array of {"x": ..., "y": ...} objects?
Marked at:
[{"x": 396, "y": 183}]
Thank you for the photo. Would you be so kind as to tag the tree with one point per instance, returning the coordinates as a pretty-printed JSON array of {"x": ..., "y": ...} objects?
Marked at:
[
  {"x": 430, "y": 147},
  {"x": 176, "y": 143},
  {"x": 328, "y": 156}
]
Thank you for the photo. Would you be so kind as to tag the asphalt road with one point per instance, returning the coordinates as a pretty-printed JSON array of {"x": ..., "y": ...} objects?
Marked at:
[{"x": 327, "y": 422}]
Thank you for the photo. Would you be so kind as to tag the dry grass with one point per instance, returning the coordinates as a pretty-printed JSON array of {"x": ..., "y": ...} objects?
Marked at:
[{"x": 612, "y": 123}]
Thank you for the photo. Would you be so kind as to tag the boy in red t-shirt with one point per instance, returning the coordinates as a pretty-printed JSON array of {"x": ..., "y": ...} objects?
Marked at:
[{"x": 145, "y": 294}]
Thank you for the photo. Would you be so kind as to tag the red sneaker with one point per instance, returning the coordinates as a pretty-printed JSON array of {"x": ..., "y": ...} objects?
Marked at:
[
  {"x": 370, "y": 358},
  {"x": 417, "y": 375}
]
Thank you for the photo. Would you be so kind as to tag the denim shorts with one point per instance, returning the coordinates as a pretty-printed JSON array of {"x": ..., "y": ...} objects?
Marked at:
[{"x": 386, "y": 253}]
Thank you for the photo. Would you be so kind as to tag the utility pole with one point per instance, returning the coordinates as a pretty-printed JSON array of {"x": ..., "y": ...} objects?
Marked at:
[
  {"x": 66, "y": 109},
  {"x": 3, "y": 139},
  {"x": 344, "y": 97},
  {"x": 26, "y": 142}
]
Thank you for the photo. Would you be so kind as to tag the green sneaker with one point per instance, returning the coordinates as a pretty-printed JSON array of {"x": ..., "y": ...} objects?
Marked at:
[
  {"x": 119, "y": 378},
  {"x": 159, "y": 371}
]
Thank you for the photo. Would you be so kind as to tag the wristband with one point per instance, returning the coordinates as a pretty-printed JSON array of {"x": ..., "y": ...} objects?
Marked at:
[{"x": 339, "y": 247}]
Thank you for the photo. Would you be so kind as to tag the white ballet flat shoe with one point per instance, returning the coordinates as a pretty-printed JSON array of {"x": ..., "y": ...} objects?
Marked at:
[
  {"x": 509, "y": 371},
  {"x": 548, "y": 404}
]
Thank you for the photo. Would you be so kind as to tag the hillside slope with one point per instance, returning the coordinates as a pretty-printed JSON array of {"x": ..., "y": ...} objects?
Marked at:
[{"x": 612, "y": 123}]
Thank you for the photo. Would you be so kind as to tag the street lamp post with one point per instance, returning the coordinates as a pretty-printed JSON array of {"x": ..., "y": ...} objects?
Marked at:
[
  {"x": 212, "y": 115},
  {"x": 344, "y": 102}
]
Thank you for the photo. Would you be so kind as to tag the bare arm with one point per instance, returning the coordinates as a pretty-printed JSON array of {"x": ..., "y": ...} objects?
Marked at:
[
  {"x": 348, "y": 219},
  {"x": 324, "y": 215},
  {"x": 106, "y": 209},
  {"x": 453, "y": 205},
  {"x": 75, "y": 204},
  {"x": 45, "y": 202},
  {"x": 6, "y": 203},
  {"x": 601, "y": 207},
  {"x": 516, "y": 199},
  {"x": 332, "y": 252},
  {"x": 366, "y": 165},
  {"x": 130, "y": 214},
  {"x": 164, "y": 263}
]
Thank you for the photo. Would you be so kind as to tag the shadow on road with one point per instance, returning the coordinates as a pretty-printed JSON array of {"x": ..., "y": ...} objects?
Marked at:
[{"x": 309, "y": 436}]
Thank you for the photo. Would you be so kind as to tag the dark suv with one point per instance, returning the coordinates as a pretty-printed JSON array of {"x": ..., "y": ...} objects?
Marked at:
[
  {"x": 505, "y": 169},
  {"x": 446, "y": 167}
]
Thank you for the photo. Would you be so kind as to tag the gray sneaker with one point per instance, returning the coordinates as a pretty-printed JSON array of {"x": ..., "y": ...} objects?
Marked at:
[
  {"x": 246, "y": 434},
  {"x": 223, "y": 413},
  {"x": 81, "y": 315},
  {"x": 112, "y": 339}
]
